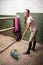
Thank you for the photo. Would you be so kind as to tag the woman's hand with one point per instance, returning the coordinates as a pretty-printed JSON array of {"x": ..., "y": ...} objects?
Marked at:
[{"x": 22, "y": 37}]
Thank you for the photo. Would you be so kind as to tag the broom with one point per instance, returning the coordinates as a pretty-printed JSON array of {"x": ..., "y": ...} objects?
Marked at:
[{"x": 14, "y": 52}]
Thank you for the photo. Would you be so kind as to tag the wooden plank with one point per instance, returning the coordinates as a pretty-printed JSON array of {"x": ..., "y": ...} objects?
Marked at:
[
  {"x": 2, "y": 30},
  {"x": 4, "y": 18}
]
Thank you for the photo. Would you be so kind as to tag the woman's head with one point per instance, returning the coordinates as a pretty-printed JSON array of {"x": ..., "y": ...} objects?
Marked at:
[{"x": 26, "y": 13}]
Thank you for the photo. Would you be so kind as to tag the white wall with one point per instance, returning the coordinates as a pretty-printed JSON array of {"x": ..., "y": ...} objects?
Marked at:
[{"x": 10, "y": 7}]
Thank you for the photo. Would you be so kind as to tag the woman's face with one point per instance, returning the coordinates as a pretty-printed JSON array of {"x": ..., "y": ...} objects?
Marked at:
[{"x": 26, "y": 13}]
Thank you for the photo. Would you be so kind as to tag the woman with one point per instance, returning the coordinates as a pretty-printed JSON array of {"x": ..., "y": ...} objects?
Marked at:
[{"x": 30, "y": 25}]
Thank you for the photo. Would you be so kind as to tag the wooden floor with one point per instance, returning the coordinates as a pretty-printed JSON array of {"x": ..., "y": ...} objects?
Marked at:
[{"x": 34, "y": 58}]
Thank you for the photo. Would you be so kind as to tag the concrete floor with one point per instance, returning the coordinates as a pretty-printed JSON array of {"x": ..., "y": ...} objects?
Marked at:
[{"x": 35, "y": 58}]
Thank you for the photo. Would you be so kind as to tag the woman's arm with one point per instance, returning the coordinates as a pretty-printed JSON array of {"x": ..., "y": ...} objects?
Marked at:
[{"x": 27, "y": 28}]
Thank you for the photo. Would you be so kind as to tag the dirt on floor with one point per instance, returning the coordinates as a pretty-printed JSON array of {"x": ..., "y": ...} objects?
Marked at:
[{"x": 34, "y": 58}]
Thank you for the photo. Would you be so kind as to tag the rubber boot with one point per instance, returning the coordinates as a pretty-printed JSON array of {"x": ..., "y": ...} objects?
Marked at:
[
  {"x": 34, "y": 44},
  {"x": 29, "y": 48}
]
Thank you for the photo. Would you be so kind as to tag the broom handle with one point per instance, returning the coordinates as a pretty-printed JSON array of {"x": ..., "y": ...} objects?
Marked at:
[{"x": 18, "y": 44}]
